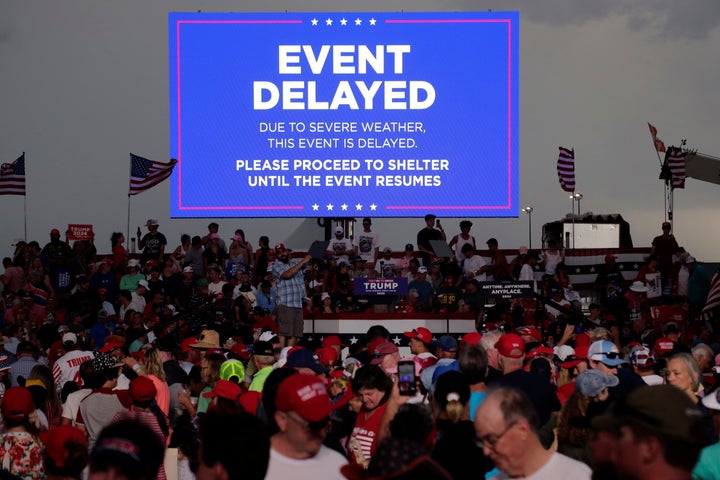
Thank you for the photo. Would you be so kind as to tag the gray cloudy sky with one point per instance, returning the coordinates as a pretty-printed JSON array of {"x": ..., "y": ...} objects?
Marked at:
[{"x": 84, "y": 83}]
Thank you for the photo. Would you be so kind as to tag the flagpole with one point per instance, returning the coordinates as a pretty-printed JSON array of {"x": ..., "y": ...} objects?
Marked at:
[
  {"x": 25, "y": 201},
  {"x": 662, "y": 164},
  {"x": 127, "y": 237},
  {"x": 572, "y": 208}
]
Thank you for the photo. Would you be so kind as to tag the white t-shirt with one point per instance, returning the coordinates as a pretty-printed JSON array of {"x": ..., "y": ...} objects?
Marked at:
[
  {"x": 526, "y": 273},
  {"x": 558, "y": 467},
  {"x": 336, "y": 246},
  {"x": 551, "y": 261},
  {"x": 473, "y": 264},
  {"x": 366, "y": 243},
  {"x": 653, "y": 379},
  {"x": 72, "y": 404},
  {"x": 326, "y": 464},
  {"x": 385, "y": 269},
  {"x": 458, "y": 246},
  {"x": 67, "y": 367}
]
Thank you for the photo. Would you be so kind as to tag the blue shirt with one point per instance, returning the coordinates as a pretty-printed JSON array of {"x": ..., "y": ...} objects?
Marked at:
[
  {"x": 21, "y": 368},
  {"x": 290, "y": 291},
  {"x": 266, "y": 302}
]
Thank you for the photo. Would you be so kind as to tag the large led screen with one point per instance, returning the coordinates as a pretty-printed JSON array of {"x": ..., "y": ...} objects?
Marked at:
[{"x": 344, "y": 114}]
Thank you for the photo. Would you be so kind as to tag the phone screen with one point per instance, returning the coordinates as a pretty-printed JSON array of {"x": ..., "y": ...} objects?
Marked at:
[{"x": 406, "y": 378}]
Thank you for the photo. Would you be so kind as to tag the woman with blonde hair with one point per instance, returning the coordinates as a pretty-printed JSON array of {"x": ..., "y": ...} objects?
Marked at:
[
  {"x": 52, "y": 406},
  {"x": 150, "y": 365},
  {"x": 153, "y": 366},
  {"x": 456, "y": 449},
  {"x": 683, "y": 372},
  {"x": 210, "y": 374}
]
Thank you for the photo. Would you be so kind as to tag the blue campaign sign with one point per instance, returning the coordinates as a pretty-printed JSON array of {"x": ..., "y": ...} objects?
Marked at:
[
  {"x": 380, "y": 286},
  {"x": 344, "y": 114}
]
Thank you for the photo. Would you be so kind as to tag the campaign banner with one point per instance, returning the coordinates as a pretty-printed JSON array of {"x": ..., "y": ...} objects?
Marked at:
[
  {"x": 78, "y": 231},
  {"x": 392, "y": 114},
  {"x": 507, "y": 289},
  {"x": 381, "y": 286}
]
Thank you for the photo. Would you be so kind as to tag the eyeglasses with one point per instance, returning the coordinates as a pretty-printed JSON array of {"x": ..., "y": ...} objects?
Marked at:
[
  {"x": 491, "y": 440},
  {"x": 318, "y": 426}
]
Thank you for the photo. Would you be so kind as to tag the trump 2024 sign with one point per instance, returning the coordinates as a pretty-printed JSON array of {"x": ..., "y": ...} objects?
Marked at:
[{"x": 344, "y": 114}]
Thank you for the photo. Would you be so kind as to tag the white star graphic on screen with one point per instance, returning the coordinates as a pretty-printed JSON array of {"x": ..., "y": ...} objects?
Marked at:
[
  {"x": 396, "y": 340},
  {"x": 358, "y": 21},
  {"x": 577, "y": 270},
  {"x": 314, "y": 22},
  {"x": 592, "y": 269},
  {"x": 344, "y": 206},
  {"x": 330, "y": 206},
  {"x": 373, "y": 207},
  {"x": 373, "y": 21},
  {"x": 353, "y": 340},
  {"x": 315, "y": 207},
  {"x": 328, "y": 22},
  {"x": 358, "y": 207},
  {"x": 343, "y": 22}
]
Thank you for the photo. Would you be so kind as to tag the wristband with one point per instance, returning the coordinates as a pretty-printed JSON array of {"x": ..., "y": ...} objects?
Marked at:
[{"x": 137, "y": 367}]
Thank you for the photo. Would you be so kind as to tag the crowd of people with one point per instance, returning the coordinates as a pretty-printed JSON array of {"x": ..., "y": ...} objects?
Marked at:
[{"x": 110, "y": 362}]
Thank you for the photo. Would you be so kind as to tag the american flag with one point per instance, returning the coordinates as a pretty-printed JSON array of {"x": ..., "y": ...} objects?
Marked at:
[
  {"x": 12, "y": 177},
  {"x": 713, "y": 298},
  {"x": 566, "y": 169},
  {"x": 583, "y": 265},
  {"x": 659, "y": 144},
  {"x": 675, "y": 159},
  {"x": 145, "y": 174}
]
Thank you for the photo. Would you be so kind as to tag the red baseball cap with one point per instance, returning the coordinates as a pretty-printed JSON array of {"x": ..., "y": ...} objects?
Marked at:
[
  {"x": 385, "y": 348},
  {"x": 510, "y": 345},
  {"x": 580, "y": 355},
  {"x": 305, "y": 395},
  {"x": 327, "y": 355},
  {"x": 224, "y": 389},
  {"x": 249, "y": 401},
  {"x": 541, "y": 350},
  {"x": 17, "y": 403},
  {"x": 241, "y": 350},
  {"x": 471, "y": 338},
  {"x": 56, "y": 438},
  {"x": 142, "y": 389},
  {"x": 372, "y": 345},
  {"x": 332, "y": 340},
  {"x": 531, "y": 331},
  {"x": 664, "y": 345},
  {"x": 421, "y": 333}
]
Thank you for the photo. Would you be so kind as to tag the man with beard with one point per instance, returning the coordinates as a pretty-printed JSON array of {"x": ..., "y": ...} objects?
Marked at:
[{"x": 290, "y": 292}]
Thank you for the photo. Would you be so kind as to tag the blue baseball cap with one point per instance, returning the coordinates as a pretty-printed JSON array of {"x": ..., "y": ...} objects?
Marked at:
[
  {"x": 447, "y": 343},
  {"x": 606, "y": 352}
]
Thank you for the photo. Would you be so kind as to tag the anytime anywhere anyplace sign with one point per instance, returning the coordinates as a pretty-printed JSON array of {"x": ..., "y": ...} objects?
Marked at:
[{"x": 507, "y": 289}]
